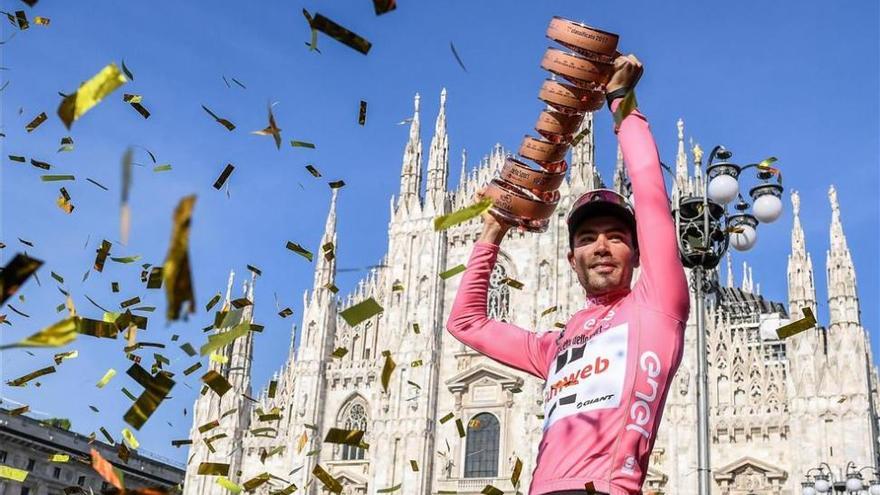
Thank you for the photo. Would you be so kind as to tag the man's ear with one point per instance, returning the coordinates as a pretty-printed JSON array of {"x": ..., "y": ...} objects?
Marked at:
[{"x": 570, "y": 257}]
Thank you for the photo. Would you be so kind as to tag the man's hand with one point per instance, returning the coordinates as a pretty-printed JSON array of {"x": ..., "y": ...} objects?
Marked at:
[
  {"x": 494, "y": 228},
  {"x": 627, "y": 70}
]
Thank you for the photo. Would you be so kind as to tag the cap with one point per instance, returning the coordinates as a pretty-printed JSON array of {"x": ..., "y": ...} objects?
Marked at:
[{"x": 599, "y": 202}]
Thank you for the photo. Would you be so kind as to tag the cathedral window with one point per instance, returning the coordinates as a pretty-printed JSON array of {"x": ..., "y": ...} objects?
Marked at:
[
  {"x": 481, "y": 455},
  {"x": 544, "y": 275},
  {"x": 355, "y": 419},
  {"x": 499, "y": 294}
]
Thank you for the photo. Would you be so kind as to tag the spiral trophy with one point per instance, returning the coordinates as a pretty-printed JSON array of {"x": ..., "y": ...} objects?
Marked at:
[{"x": 525, "y": 195}]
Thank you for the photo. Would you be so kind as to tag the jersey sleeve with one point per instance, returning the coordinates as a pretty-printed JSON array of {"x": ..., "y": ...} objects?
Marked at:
[
  {"x": 468, "y": 321},
  {"x": 662, "y": 280}
]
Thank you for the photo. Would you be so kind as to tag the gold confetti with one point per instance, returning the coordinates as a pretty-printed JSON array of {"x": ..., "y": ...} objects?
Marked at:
[
  {"x": 452, "y": 272},
  {"x": 517, "y": 470},
  {"x": 176, "y": 270},
  {"x": 796, "y": 327},
  {"x": 329, "y": 481},
  {"x": 218, "y": 358},
  {"x": 192, "y": 369},
  {"x": 581, "y": 135},
  {"x": 63, "y": 201},
  {"x": 460, "y": 426},
  {"x": 387, "y": 369},
  {"x": 55, "y": 335},
  {"x": 59, "y": 458},
  {"x": 255, "y": 482},
  {"x": 39, "y": 119},
  {"x": 590, "y": 487},
  {"x": 312, "y": 170},
  {"x": 336, "y": 184},
  {"x": 223, "y": 339},
  {"x": 214, "y": 300},
  {"x": 340, "y": 33},
  {"x": 66, "y": 144},
  {"x": 228, "y": 484},
  {"x": 457, "y": 57},
  {"x": 361, "y": 311},
  {"x": 213, "y": 468},
  {"x": 416, "y": 328},
  {"x": 156, "y": 389},
  {"x": 106, "y": 378},
  {"x": 346, "y": 437},
  {"x": 296, "y": 248},
  {"x": 12, "y": 473},
  {"x": 362, "y": 113},
  {"x": 271, "y": 130},
  {"x": 549, "y": 310},
  {"x": 225, "y": 123},
  {"x": 301, "y": 144},
  {"x": 414, "y": 465},
  {"x": 301, "y": 442},
  {"x": 21, "y": 381},
  {"x": 391, "y": 489},
  {"x": 129, "y": 438},
  {"x": 42, "y": 21},
  {"x": 445, "y": 221},
  {"x": 384, "y": 6},
  {"x": 446, "y": 418},
  {"x": 491, "y": 490},
  {"x": 90, "y": 94},
  {"x": 340, "y": 352},
  {"x": 516, "y": 284},
  {"x": 21, "y": 19},
  {"x": 16, "y": 273},
  {"x": 626, "y": 106},
  {"x": 313, "y": 44},
  {"x": 61, "y": 356},
  {"x": 284, "y": 313},
  {"x": 19, "y": 410},
  {"x": 217, "y": 382}
]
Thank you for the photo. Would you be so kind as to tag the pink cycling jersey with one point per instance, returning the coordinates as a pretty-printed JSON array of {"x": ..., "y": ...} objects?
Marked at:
[{"x": 608, "y": 374}]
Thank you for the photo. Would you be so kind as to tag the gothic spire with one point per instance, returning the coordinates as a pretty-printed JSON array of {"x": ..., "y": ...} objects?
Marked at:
[
  {"x": 843, "y": 299},
  {"x": 438, "y": 158},
  {"x": 411, "y": 172},
  {"x": 730, "y": 283},
  {"x": 621, "y": 181},
  {"x": 801, "y": 288},
  {"x": 583, "y": 158},
  {"x": 681, "y": 166},
  {"x": 325, "y": 270}
]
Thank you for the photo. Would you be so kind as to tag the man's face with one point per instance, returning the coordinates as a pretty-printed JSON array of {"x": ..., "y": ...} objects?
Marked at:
[{"x": 603, "y": 256}]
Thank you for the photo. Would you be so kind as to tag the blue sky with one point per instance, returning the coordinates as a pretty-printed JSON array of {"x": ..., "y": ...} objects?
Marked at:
[{"x": 797, "y": 80}]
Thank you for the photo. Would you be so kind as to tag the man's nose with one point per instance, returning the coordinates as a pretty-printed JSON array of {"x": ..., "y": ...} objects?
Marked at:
[{"x": 602, "y": 244}]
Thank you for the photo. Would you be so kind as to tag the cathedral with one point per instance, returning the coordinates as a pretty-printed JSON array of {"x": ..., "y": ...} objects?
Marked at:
[{"x": 452, "y": 421}]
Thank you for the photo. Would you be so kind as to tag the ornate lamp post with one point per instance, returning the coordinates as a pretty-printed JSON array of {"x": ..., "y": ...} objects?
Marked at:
[
  {"x": 826, "y": 482},
  {"x": 705, "y": 229}
]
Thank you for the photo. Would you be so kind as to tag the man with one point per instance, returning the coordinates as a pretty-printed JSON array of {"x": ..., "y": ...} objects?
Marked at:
[{"x": 608, "y": 373}]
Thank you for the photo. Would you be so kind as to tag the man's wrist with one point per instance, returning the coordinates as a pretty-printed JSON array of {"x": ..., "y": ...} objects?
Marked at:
[{"x": 493, "y": 235}]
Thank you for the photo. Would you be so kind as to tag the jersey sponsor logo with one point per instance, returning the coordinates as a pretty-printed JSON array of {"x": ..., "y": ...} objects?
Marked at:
[
  {"x": 641, "y": 410},
  {"x": 587, "y": 377},
  {"x": 629, "y": 466}
]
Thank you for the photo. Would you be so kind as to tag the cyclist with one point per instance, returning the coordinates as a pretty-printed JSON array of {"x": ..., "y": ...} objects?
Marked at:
[{"x": 607, "y": 374}]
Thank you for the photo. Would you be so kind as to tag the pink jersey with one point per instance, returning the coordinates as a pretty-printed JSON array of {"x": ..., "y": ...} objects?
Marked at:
[{"x": 608, "y": 374}]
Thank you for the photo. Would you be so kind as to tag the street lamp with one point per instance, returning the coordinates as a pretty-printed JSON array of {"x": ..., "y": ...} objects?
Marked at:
[
  {"x": 705, "y": 229},
  {"x": 852, "y": 482}
]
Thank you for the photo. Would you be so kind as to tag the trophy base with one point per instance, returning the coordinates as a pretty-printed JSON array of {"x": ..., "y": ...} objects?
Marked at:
[{"x": 528, "y": 224}]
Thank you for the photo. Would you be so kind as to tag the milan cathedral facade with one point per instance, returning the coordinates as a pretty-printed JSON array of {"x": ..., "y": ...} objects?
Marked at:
[{"x": 777, "y": 407}]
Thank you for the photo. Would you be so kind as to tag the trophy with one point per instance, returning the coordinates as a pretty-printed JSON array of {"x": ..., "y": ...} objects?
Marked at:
[{"x": 527, "y": 196}]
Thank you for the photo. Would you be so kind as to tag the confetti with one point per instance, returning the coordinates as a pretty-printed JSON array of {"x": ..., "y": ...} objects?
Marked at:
[
  {"x": 59, "y": 458},
  {"x": 21, "y": 18},
  {"x": 192, "y": 369},
  {"x": 337, "y": 184},
  {"x": 284, "y": 313},
  {"x": 39, "y": 119},
  {"x": 384, "y": 6},
  {"x": 124, "y": 210},
  {"x": 42, "y": 21},
  {"x": 56, "y": 178},
  {"x": 176, "y": 270},
  {"x": 346, "y": 437},
  {"x": 126, "y": 71},
  {"x": 21, "y": 381},
  {"x": 515, "y": 474},
  {"x": 796, "y": 327},
  {"x": 626, "y": 106},
  {"x": 590, "y": 487},
  {"x": 387, "y": 369},
  {"x": 329, "y": 481},
  {"x": 216, "y": 382},
  {"x": 455, "y": 270},
  {"x": 313, "y": 44},
  {"x": 302, "y": 144},
  {"x": 457, "y": 58},
  {"x": 581, "y": 135},
  {"x": 129, "y": 438},
  {"x": 218, "y": 184},
  {"x": 271, "y": 130},
  {"x": 106, "y": 378},
  {"x": 445, "y": 221},
  {"x": 63, "y": 201},
  {"x": 229, "y": 485},
  {"x": 491, "y": 490},
  {"x": 273, "y": 387},
  {"x": 460, "y": 426},
  {"x": 156, "y": 389},
  {"x": 312, "y": 170},
  {"x": 340, "y": 34},
  {"x": 296, "y": 248},
  {"x": 97, "y": 184},
  {"x": 516, "y": 284},
  {"x": 362, "y": 113},
  {"x": 213, "y": 468},
  {"x": 106, "y": 470},
  {"x": 225, "y": 123},
  {"x": 223, "y": 339},
  {"x": 66, "y": 144},
  {"x": 61, "y": 356},
  {"x": 90, "y": 94},
  {"x": 549, "y": 310},
  {"x": 391, "y": 489},
  {"x": 16, "y": 273},
  {"x": 18, "y": 411},
  {"x": 40, "y": 165},
  {"x": 361, "y": 311},
  {"x": 12, "y": 473}
]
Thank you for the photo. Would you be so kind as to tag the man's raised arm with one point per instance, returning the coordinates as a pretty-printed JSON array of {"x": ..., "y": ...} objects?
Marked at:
[
  {"x": 469, "y": 323},
  {"x": 662, "y": 274}
]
